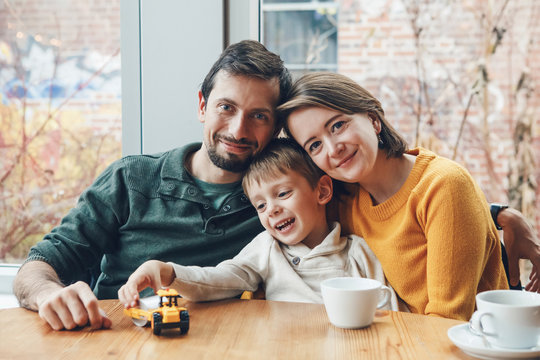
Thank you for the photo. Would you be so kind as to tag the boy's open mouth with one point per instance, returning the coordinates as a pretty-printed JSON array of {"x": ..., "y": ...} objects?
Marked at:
[{"x": 285, "y": 224}]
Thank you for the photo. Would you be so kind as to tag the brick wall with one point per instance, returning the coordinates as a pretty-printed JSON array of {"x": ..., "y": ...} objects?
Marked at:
[{"x": 378, "y": 47}]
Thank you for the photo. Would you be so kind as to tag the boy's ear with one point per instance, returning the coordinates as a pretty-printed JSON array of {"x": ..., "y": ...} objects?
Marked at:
[{"x": 325, "y": 188}]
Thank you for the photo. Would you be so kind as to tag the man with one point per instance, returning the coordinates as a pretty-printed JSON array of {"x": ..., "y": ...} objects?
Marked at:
[{"x": 184, "y": 206}]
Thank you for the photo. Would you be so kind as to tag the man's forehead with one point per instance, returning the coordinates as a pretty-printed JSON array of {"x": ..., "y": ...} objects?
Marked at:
[{"x": 229, "y": 84}]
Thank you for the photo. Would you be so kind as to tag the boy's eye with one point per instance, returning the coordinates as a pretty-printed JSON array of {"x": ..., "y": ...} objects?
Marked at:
[
  {"x": 260, "y": 206},
  {"x": 284, "y": 193}
]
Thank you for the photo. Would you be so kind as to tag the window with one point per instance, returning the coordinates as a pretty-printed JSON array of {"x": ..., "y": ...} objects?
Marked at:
[
  {"x": 304, "y": 33},
  {"x": 60, "y": 111}
]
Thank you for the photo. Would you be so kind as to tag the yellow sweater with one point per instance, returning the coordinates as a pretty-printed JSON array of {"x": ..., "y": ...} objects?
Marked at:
[{"x": 434, "y": 238}]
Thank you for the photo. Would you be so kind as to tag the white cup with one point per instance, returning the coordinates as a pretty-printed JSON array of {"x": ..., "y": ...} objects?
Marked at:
[
  {"x": 508, "y": 318},
  {"x": 351, "y": 302}
]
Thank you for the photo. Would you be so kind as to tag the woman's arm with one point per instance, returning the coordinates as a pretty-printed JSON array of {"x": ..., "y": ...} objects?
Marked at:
[{"x": 463, "y": 248}]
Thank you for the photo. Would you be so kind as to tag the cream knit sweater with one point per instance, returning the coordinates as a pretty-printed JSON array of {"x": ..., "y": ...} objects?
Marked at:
[{"x": 288, "y": 273}]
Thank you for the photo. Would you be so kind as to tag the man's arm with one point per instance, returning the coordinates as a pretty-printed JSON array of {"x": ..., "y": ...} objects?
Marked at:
[
  {"x": 38, "y": 288},
  {"x": 520, "y": 242}
]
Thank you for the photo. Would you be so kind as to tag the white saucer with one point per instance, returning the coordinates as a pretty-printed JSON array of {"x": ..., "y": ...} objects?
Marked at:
[{"x": 474, "y": 345}]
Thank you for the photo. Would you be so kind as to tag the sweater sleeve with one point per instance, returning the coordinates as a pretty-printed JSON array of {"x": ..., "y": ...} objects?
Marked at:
[
  {"x": 89, "y": 230},
  {"x": 229, "y": 278},
  {"x": 461, "y": 239}
]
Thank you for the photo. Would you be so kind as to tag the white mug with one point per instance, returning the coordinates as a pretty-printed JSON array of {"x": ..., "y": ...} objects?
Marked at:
[
  {"x": 351, "y": 302},
  {"x": 508, "y": 318}
]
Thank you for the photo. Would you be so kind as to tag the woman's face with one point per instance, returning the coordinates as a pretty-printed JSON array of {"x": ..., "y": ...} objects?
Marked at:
[{"x": 344, "y": 146}]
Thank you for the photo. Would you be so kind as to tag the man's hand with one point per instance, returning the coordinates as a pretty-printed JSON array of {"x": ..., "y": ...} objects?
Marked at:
[
  {"x": 153, "y": 274},
  {"x": 520, "y": 242},
  {"x": 72, "y": 306},
  {"x": 38, "y": 288}
]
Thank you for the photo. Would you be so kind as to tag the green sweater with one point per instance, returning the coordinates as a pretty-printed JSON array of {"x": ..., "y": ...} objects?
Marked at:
[{"x": 145, "y": 207}]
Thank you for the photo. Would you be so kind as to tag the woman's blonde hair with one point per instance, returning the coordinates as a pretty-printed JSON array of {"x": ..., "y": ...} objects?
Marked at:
[{"x": 340, "y": 93}]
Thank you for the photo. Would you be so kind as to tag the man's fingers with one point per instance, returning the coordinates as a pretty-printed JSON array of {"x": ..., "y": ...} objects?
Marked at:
[
  {"x": 534, "y": 282},
  {"x": 50, "y": 317},
  {"x": 91, "y": 308},
  {"x": 513, "y": 270},
  {"x": 72, "y": 306}
]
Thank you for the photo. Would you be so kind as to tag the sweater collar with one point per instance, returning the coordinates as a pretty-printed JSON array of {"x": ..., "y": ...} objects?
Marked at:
[
  {"x": 396, "y": 201},
  {"x": 332, "y": 243}
]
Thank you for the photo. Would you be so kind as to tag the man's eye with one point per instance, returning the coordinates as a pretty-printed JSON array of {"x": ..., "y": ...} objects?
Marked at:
[
  {"x": 260, "y": 116},
  {"x": 225, "y": 107},
  {"x": 314, "y": 146}
]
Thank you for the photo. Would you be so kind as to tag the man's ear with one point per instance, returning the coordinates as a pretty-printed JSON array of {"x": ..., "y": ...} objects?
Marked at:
[
  {"x": 201, "y": 109},
  {"x": 325, "y": 188}
]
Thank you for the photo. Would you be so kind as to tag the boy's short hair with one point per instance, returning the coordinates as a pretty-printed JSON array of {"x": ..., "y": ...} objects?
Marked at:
[{"x": 280, "y": 156}]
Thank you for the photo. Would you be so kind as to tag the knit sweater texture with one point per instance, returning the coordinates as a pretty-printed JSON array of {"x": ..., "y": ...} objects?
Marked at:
[
  {"x": 287, "y": 272},
  {"x": 434, "y": 238}
]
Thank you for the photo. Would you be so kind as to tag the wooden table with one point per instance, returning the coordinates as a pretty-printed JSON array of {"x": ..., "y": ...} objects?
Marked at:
[{"x": 233, "y": 329}]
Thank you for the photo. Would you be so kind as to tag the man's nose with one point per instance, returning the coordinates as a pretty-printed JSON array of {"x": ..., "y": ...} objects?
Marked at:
[{"x": 239, "y": 126}]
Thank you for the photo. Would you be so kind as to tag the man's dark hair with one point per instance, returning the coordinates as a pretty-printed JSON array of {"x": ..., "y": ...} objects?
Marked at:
[{"x": 249, "y": 58}]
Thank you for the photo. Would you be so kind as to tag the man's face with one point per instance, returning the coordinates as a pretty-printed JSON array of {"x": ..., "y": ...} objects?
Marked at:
[{"x": 239, "y": 119}]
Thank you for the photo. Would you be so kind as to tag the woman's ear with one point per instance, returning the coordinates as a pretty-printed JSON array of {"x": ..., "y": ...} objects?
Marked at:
[
  {"x": 375, "y": 122},
  {"x": 325, "y": 189}
]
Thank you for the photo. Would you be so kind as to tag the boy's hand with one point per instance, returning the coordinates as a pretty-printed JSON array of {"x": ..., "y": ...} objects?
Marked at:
[{"x": 153, "y": 274}]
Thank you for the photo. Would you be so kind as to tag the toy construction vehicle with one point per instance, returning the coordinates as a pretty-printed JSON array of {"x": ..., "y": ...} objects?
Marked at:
[{"x": 164, "y": 315}]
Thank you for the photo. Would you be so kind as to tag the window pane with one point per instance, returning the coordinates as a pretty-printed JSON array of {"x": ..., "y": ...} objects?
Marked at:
[
  {"x": 60, "y": 111},
  {"x": 304, "y": 36},
  {"x": 459, "y": 78}
]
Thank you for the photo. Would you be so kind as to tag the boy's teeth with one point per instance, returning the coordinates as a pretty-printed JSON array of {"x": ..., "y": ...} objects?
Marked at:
[{"x": 284, "y": 224}]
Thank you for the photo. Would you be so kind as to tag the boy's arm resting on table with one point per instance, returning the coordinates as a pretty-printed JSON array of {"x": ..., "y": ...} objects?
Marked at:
[
  {"x": 520, "y": 242},
  {"x": 38, "y": 288},
  {"x": 229, "y": 278}
]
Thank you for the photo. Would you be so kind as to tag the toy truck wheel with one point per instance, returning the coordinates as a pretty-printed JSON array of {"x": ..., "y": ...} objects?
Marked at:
[
  {"x": 184, "y": 322},
  {"x": 157, "y": 323}
]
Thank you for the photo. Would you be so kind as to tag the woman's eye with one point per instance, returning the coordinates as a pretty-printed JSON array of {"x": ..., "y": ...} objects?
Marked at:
[
  {"x": 337, "y": 125},
  {"x": 314, "y": 146}
]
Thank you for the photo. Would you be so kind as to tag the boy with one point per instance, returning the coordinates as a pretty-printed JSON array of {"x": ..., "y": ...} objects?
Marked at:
[{"x": 298, "y": 250}]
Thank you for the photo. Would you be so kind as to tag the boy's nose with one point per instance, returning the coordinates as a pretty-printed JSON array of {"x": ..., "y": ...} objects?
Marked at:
[{"x": 274, "y": 208}]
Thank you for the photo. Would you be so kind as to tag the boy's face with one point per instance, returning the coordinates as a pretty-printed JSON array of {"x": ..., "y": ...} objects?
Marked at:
[
  {"x": 290, "y": 209},
  {"x": 239, "y": 119}
]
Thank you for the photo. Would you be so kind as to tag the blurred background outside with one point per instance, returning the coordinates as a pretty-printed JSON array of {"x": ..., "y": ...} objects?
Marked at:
[{"x": 458, "y": 77}]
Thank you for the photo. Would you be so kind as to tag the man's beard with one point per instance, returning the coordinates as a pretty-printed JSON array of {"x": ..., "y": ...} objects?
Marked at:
[{"x": 230, "y": 163}]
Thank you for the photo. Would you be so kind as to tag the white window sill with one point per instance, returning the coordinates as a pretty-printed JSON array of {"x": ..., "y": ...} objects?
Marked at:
[{"x": 7, "y": 274}]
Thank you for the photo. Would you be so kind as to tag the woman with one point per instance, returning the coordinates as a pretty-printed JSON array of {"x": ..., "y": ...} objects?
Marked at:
[{"x": 424, "y": 216}]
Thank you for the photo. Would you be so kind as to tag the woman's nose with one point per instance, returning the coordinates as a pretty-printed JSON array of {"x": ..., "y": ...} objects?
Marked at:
[{"x": 335, "y": 148}]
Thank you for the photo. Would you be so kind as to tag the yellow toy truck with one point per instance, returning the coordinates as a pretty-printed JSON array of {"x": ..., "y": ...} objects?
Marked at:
[{"x": 168, "y": 315}]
